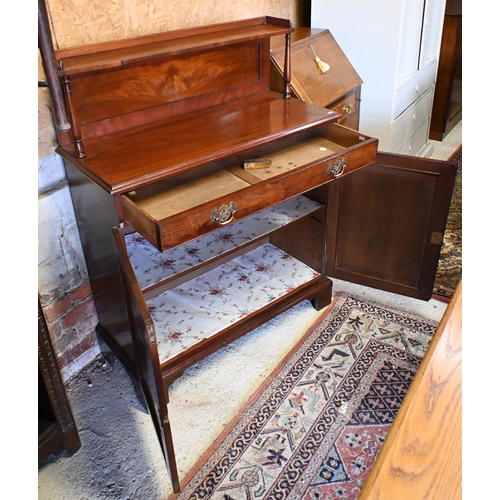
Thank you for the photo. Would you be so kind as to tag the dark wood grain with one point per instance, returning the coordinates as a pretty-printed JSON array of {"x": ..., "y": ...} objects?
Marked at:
[
  {"x": 447, "y": 106},
  {"x": 166, "y": 123},
  {"x": 117, "y": 54},
  {"x": 178, "y": 144},
  {"x": 116, "y": 85},
  {"x": 184, "y": 221},
  {"x": 384, "y": 221},
  {"x": 139, "y": 133},
  {"x": 131, "y": 89},
  {"x": 147, "y": 358},
  {"x": 59, "y": 431}
]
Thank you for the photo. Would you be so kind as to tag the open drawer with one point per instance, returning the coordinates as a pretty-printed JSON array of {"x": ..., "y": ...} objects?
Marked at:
[{"x": 183, "y": 207}]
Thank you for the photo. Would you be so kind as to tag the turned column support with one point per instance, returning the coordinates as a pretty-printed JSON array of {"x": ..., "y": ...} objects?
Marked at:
[
  {"x": 74, "y": 125},
  {"x": 287, "y": 69}
]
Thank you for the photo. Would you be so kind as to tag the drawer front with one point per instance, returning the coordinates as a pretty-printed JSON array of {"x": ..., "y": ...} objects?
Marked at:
[
  {"x": 411, "y": 120},
  {"x": 348, "y": 107},
  {"x": 414, "y": 87},
  {"x": 416, "y": 142},
  {"x": 255, "y": 190}
]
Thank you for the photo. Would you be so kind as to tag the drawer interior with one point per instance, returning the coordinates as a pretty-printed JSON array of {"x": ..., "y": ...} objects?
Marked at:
[
  {"x": 183, "y": 207},
  {"x": 186, "y": 191},
  {"x": 287, "y": 156}
]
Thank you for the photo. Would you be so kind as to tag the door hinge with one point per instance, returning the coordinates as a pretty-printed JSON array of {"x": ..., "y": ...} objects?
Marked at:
[
  {"x": 436, "y": 237},
  {"x": 151, "y": 334}
]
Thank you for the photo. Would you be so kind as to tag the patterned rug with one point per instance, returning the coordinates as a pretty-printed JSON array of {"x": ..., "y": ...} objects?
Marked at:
[
  {"x": 449, "y": 269},
  {"x": 314, "y": 429}
]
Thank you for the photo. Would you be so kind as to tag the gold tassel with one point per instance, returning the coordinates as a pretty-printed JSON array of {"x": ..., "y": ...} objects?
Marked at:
[{"x": 323, "y": 66}]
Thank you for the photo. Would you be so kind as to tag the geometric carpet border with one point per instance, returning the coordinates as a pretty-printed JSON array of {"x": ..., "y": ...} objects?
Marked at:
[{"x": 313, "y": 429}]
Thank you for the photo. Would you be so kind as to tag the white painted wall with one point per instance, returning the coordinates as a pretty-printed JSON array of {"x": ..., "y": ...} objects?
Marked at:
[
  {"x": 61, "y": 265},
  {"x": 60, "y": 255}
]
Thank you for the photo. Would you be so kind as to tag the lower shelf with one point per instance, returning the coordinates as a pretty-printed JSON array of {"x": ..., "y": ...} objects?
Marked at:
[
  {"x": 207, "y": 304},
  {"x": 153, "y": 267}
]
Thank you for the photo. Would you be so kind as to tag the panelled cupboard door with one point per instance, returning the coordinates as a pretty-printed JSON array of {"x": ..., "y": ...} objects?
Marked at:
[{"x": 387, "y": 224}]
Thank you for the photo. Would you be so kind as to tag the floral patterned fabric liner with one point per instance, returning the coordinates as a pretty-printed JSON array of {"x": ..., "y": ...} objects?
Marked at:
[
  {"x": 152, "y": 266},
  {"x": 203, "y": 306}
]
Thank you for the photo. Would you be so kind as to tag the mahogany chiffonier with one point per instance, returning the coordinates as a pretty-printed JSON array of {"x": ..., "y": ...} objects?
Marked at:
[
  {"x": 329, "y": 81},
  {"x": 206, "y": 202}
]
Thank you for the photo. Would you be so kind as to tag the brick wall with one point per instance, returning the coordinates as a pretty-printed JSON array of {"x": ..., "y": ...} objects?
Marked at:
[
  {"x": 71, "y": 321},
  {"x": 63, "y": 283}
]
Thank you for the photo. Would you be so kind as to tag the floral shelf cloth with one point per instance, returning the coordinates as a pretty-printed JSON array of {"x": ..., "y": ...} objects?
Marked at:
[
  {"x": 152, "y": 266},
  {"x": 205, "y": 305}
]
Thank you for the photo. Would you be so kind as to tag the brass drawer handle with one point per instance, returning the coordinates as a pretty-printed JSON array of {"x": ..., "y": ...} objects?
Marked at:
[
  {"x": 225, "y": 213},
  {"x": 337, "y": 167},
  {"x": 347, "y": 109}
]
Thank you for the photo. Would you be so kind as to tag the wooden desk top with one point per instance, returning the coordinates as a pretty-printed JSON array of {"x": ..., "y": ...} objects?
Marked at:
[
  {"x": 422, "y": 455},
  {"x": 141, "y": 155}
]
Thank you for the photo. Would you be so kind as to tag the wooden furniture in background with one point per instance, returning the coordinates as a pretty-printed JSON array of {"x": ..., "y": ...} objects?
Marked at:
[
  {"x": 447, "y": 107},
  {"x": 394, "y": 46},
  {"x": 56, "y": 426},
  {"x": 422, "y": 453},
  {"x": 163, "y": 126},
  {"x": 338, "y": 88}
]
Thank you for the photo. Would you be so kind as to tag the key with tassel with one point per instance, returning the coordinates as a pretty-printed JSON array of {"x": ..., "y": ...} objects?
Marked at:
[{"x": 322, "y": 65}]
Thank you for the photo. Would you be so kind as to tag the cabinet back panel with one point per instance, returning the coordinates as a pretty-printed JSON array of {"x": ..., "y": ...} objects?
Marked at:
[{"x": 138, "y": 93}]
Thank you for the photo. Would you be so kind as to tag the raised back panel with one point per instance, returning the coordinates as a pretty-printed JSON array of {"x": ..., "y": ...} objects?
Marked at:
[
  {"x": 138, "y": 94},
  {"x": 114, "y": 86}
]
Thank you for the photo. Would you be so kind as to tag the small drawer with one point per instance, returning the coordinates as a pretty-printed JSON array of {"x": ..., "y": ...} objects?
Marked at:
[
  {"x": 411, "y": 120},
  {"x": 413, "y": 87},
  {"x": 416, "y": 142},
  {"x": 184, "y": 207},
  {"x": 348, "y": 107}
]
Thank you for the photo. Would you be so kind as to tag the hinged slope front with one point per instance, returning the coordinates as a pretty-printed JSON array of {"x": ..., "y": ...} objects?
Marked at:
[{"x": 308, "y": 82}]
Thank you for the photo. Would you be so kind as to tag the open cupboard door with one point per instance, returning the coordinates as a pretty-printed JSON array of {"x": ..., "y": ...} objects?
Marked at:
[
  {"x": 154, "y": 395},
  {"x": 387, "y": 223}
]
